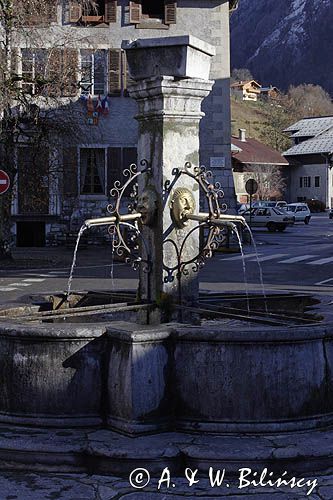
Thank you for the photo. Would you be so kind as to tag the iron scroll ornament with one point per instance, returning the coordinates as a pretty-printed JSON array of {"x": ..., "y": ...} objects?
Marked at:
[
  {"x": 215, "y": 235},
  {"x": 120, "y": 246}
]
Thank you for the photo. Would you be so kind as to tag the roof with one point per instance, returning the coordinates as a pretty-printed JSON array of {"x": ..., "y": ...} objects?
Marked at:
[
  {"x": 247, "y": 82},
  {"x": 318, "y": 130},
  {"x": 267, "y": 89},
  {"x": 253, "y": 151},
  {"x": 321, "y": 144},
  {"x": 310, "y": 127}
]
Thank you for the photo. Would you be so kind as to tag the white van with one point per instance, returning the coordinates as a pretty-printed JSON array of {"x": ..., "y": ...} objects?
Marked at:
[{"x": 300, "y": 211}]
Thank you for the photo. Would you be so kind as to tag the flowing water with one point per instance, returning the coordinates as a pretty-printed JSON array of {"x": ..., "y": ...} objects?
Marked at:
[
  {"x": 261, "y": 277},
  {"x": 235, "y": 230},
  {"x": 70, "y": 279}
]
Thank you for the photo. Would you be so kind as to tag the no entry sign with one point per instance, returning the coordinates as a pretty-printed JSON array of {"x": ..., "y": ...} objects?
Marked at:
[{"x": 4, "y": 182}]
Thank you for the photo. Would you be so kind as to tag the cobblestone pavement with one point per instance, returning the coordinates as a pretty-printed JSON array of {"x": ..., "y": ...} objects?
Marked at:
[{"x": 34, "y": 486}]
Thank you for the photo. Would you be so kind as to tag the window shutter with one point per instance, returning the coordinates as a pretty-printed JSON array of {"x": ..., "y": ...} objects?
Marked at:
[
  {"x": 127, "y": 80},
  {"x": 170, "y": 12},
  {"x": 70, "y": 171},
  {"x": 110, "y": 11},
  {"x": 62, "y": 72},
  {"x": 52, "y": 11},
  {"x": 69, "y": 72},
  {"x": 114, "y": 72},
  {"x": 114, "y": 170},
  {"x": 135, "y": 11},
  {"x": 75, "y": 11}
]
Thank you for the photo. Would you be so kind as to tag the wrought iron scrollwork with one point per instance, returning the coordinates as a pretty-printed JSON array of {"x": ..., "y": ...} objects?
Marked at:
[
  {"x": 215, "y": 235},
  {"x": 126, "y": 244}
]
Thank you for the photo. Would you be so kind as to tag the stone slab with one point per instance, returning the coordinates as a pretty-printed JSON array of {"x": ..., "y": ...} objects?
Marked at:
[{"x": 180, "y": 56}]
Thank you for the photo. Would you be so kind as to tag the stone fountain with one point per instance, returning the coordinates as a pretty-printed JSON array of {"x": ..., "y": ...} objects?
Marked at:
[{"x": 110, "y": 378}]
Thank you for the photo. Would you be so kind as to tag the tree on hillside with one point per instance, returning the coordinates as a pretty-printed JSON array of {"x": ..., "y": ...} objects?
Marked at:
[
  {"x": 241, "y": 75},
  {"x": 308, "y": 100},
  {"x": 277, "y": 119}
]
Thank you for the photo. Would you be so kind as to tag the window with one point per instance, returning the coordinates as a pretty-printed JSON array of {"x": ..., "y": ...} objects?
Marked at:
[
  {"x": 153, "y": 9},
  {"x": 317, "y": 181},
  {"x": 163, "y": 11},
  {"x": 99, "y": 11},
  {"x": 118, "y": 160},
  {"x": 33, "y": 179},
  {"x": 92, "y": 171},
  {"x": 33, "y": 70},
  {"x": 306, "y": 182},
  {"x": 101, "y": 167},
  {"x": 93, "y": 72},
  {"x": 104, "y": 72},
  {"x": 49, "y": 72}
]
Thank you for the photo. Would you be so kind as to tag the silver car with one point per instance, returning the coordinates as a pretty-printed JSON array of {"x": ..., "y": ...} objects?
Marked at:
[
  {"x": 275, "y": 219},
  {"x": 300, "y": 211}
]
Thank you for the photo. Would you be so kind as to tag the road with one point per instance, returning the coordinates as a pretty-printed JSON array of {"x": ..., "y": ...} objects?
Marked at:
[{"x": 299, "y": 259}]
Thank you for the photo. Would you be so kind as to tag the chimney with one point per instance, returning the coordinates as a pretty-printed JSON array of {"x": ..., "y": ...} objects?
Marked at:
[{"x": 242, "y": 136}]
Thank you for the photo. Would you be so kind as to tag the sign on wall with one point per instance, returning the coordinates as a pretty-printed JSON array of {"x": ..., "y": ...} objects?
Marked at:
[{"x": 217, "y": 162}]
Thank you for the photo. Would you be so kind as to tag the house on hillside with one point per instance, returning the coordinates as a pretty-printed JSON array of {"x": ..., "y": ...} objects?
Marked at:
[
  {"x": 311, "y": 160},
  {"x": 76, "y": 170},
  {"x": 267, "y": 93},
  {"x": 246, "y": 91},
  {"x": 253, "y": 159}
]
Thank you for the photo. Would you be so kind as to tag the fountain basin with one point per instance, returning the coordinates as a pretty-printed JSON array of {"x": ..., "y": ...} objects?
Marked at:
[{"x": 221, "y": 376}]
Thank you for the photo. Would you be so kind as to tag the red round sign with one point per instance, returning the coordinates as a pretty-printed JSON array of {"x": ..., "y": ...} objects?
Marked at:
[{"x": 4, "y": 182}]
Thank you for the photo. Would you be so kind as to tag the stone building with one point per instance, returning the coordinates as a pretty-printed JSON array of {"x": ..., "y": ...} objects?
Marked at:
[
  {"x": 76, "y": 170},
  {"x": 311, "y": 160},
  {"x": 253, "y": 159}
]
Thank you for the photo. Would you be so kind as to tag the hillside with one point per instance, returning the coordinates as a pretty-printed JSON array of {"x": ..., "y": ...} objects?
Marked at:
[
  {"x": 259, "y": 120},
  {"x": 284, "y": 43}
]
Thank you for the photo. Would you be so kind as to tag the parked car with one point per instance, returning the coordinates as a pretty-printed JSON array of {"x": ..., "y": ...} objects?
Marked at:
[
  {"x": 273, "y": 218},
  {"x": 242, "y": 207},
  {"x": 300, "y": 211}
]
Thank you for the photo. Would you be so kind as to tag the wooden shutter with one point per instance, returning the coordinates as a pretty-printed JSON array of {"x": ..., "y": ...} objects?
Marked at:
[
  {"x": 70, "y": 171},
  {"x": 127, "y": 80},
  {"x": 170, "y": 12},
  {"x": 54, "y": 72},
  {"x": 135, "y": 11},
  {"x": 62, "y": 68},
  {"x": 114, "y": 72},
  {"x": 75, "y": 11},
  {"x": 69, "y": 72},
  {"x": 51, "y": 11},
  {"x": 110, "y": 11},
  {"x": 114, "y": 168}
]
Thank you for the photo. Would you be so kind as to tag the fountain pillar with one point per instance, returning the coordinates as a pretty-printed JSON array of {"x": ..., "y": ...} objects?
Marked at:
[{"x": 171, "y": 75}]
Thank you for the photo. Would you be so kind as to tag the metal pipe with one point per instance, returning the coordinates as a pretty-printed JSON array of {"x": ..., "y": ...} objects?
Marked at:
[
  {"x": 106, "y": 221},
  {"x": 223, "y": 219}
]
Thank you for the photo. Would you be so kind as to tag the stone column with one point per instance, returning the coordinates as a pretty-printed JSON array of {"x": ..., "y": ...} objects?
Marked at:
[{"x": 169, "y": 112}]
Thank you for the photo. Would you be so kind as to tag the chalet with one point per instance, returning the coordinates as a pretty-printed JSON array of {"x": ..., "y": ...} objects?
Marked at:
[
  {"x": 270, "y": 92},
  {"x": 311, "y": 160},
  {"x": 76, "y": 170},
  {"x": 246, "y": 91},
  {"x": 251, "y": 158}
]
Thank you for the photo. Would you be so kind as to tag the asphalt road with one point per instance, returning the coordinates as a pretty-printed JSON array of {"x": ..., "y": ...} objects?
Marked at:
[{"x": 299, "y": 259}]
